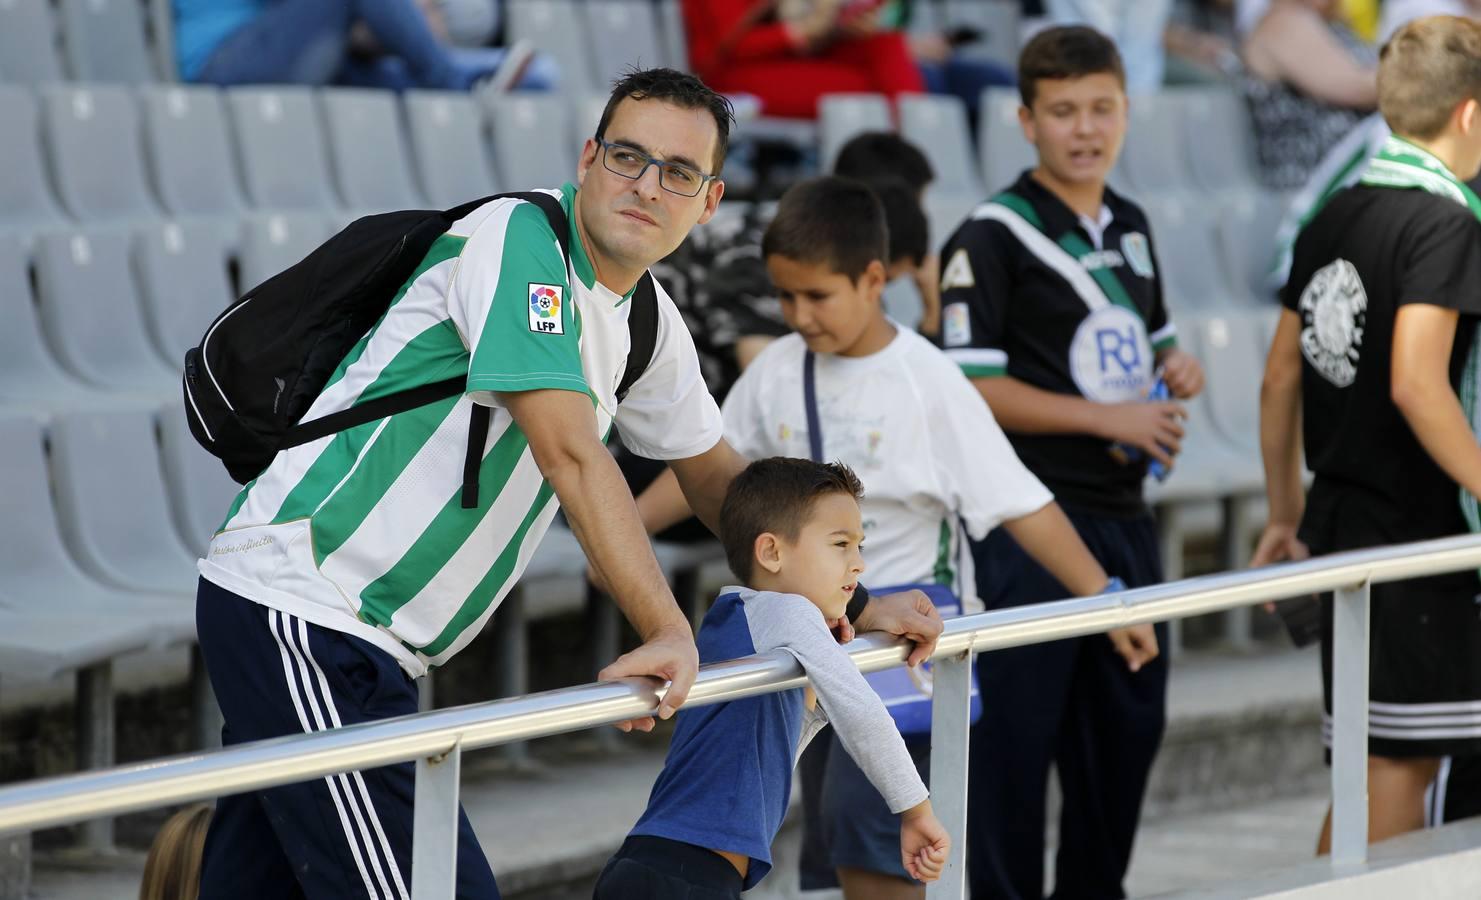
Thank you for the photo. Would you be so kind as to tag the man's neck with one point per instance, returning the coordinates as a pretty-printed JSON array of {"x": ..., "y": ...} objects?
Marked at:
[
  {"x": 1083, "y": 199},
  {"x": 1444, "y": 148},
  {"x": 615, "y": 278}
]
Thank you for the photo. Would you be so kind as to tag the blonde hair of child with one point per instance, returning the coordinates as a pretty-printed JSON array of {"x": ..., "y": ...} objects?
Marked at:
[{"x": 173, "y": 869}]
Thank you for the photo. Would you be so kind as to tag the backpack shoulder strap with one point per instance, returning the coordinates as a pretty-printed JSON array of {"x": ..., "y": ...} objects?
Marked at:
[{"x": 642, "y": 332}]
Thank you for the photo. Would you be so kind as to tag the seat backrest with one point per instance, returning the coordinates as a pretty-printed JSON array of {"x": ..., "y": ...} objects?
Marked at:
[
  {"x": 1233, "y": 349},
  {"x": 367, "y": 150},
  {"x": 1154, "y": 156},
  {"x": 1219, "y": 138},
  {"x": 1247, "y": 240},
  {"x": 525, "y": 156},
  {"x": 555, "y": 27},
  {"x": 29, "y": 50},
  {"x": 200, "y": 490},
  {"x": 841, "y": 116},
  {"x": 1004, "y": 150},
  {"x": 622, "y": 34},
  {"x": 161, "y": 15},
  {"x": 189, "y": 151},
  {"x": 1187, "y": 258},
  {"x": 104, "y": 40},
  {"x": 280, "y": 148},
  {"x": 28, "y": 373},
  {"x": 271, "y": 242},
  {"x": 938, "y": 126},
  {"x": 111, "y": 501},
  {"x": 25, "y": 195},
  {"x": 184, "y": 282},
  {"x": 447, "y": 147},
  {"x": 92, "y": 315},
  {"x": 93, "y": 138},
  {"x": 998, "y": 22},
  {"x": 30, "y": 546},
  {"x": 671, "y": 33}
]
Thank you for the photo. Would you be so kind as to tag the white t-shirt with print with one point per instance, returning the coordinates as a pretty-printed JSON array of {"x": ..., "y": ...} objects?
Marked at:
[{"x": 916, "y": 432}]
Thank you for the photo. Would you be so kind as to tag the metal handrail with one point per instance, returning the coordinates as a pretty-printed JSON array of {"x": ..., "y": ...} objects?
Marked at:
[{"x": 431, "y": 737}]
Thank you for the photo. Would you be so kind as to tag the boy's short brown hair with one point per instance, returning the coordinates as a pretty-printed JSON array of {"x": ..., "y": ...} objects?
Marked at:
[
  {"x": 1068, "y": 51},
  {"x": 1427, "y": 69},
  {"x": 776, "y": 495},
  {"x": 832, "y": 221}
]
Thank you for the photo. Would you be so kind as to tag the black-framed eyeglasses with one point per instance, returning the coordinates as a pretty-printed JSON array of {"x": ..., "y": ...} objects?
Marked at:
[{"x": 676, "y": 178}]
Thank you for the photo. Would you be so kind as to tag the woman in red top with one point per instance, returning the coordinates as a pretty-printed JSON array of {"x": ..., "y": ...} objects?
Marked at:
[{"x": 744, "y": 46}]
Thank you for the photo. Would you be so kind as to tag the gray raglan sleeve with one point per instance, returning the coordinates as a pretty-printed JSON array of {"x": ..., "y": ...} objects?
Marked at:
[{"x": 789, "y": 622}]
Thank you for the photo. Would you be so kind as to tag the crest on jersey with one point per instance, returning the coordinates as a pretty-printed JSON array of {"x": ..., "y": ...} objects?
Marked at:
[
  {"x": 1334, "y": 313},
  {"x": 545, "y": 309},
  {"x": 956, "y": 325},
  {"x": 1111, "y": 356},
  {"x": 1138, "y": 253},
  {"x": 958, "y": 271}
]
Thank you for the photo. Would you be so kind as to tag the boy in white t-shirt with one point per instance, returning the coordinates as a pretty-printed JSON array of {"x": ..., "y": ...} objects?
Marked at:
[{"x": 900, "y": 413}]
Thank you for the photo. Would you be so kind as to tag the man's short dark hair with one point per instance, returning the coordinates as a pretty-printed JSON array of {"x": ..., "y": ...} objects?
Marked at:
[
  {"x": 1069, "y": 51},
  {"x": 776, "y": 496},
  {"x": 678, "y": 88},
  {"x": 831, "y": 221},
  {"x": 1427, "y": 69},
  {"x": 909, "y": 232},
  {"x": 883, "y": 154}
]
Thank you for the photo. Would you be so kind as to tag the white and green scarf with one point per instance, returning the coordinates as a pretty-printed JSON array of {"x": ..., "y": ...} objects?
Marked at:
[{"x": 1400, "y": 164}]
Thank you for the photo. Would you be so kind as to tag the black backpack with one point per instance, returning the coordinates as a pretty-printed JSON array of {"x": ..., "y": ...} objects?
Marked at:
[{"x": 265, "y": 359}]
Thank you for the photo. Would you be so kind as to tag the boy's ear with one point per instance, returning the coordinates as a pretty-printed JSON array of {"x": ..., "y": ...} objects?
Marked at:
[
  {"x": 768, "y": 552},
  {"x": 874, "y": 279},
  {"x": 1026, "y": 122}
]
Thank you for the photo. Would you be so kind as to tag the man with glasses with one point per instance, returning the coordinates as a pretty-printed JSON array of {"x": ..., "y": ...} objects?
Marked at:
[{"x": 355, "y": 562}]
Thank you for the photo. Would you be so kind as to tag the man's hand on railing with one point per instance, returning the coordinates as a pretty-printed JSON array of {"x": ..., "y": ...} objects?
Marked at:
[
  {"x": 910, "y": 614},
  {"x": 1278, "y": 543},
  {"x": 670, "y": 655},
  {"x": 1137, "y": 644}
]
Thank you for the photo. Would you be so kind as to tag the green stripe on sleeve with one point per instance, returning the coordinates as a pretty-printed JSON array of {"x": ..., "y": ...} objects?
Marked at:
[{"x": 977, "y": 370}]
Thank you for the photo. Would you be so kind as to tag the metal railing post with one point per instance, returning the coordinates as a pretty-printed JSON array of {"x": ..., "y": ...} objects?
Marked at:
[
  {"x": 96, "y": 742},
  {"x": 1350, "y": 725},
  {"x": 434, "y": 846},
  {"x": 951, "y": 718}
]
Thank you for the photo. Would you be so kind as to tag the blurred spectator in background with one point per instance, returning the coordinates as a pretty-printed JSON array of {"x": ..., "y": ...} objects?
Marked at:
[
  {"x": 1135, "y": 26},
  {"x": 1393, "y": 14},
  {"x": 1309, "y": 79},
  {"x": 789, "y": 54},
  {"x": 465, "y": 23},
  {"x": 1199, "y": 41},
  {"x": 365, "y": 43},
  {"x": 945, "y": 69}
]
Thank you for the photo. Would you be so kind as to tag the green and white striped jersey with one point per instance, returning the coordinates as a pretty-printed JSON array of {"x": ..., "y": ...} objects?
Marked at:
[{"x": 363, "y": 531}]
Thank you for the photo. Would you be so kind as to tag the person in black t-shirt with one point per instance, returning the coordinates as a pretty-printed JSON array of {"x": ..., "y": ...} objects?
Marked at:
[
  {"x": 1380, "y": 314},
  {"x": 1052, "y": 305}
]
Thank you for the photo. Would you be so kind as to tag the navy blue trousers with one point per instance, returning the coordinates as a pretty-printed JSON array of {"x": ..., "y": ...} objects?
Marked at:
[
  {"x": 345, "y": 836},
  {"x": 1074, "y": 704}
]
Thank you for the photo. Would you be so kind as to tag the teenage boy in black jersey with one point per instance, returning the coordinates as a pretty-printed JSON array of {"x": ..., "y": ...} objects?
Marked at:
[
  {"x": 1052, "y": 304},
  {"x": 1367, "y": 373}
]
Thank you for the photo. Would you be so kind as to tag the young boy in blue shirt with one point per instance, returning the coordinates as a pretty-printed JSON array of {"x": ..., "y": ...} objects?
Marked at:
[{"x": 792, "y": 533}]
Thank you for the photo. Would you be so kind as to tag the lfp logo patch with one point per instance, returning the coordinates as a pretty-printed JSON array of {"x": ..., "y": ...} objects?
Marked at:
[{"x": 545, "y": 309}]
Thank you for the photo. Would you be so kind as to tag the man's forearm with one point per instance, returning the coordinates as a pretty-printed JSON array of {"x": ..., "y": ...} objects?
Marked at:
[
  {"x": 1021, "y": 407},
  {"x": 605, "y": 520},
  {"x": 1280, "y": 450},
  {"x": 1048, "y": 537},
  {"x": 1436, "y": 417},
  {"x": 662, "y": 504},
  {"x": 705, "y": 478}
]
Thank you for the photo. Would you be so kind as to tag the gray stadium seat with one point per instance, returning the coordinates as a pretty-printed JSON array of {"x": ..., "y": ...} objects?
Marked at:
[
  {"x": 104, "y": 40},
  {"x": 1004, "y": 150},
  {"x": 1154, "y": 157},
  {"x": 367, "y": 150},
  {"x": 447, "y": 147},
  {"x": 31, "y": 380},
  {"x": 1246, "y": 233},
  {"x": 554, "y": 27},
  {"x": 902, "y": 302},
  {"x": 1233, "y": 355},
  {"x": 525, "y": 156},
  {"x": 271, "y": 242},
  {"x": 586, "y": 116},
  {"x": 841, "y": 116},
  {"x": 938, "y": 126},
  {"x": 622, "y": 34},
  {"x": 26, "y": 201},
  {"x": 92, "y": 315},
  {"x": 280, "y": 147},
  {"x": 93, "y": 138},
  {"x": 1192, "y": 277},
  {"x": 671, "y": 32},
  {"x": 35, "y": 567},
  {"x": 116, "y": 517},
  {"x": 200, "y": 490},
  {"x": 184, "y": 283},
  {"x": 29, "y": 52},
  {"x": 1218, "y": 135},
  {"x": 998, "y": 22},
  {"x": 189, "y": 151},
  {"x": 162, "y": 38}
]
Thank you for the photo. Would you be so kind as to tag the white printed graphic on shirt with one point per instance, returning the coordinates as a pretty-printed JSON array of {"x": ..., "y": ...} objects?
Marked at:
[
  {"x": 956, "y": 325},
  {"x": 958, "y": 271},
  {"x": 1334, "y": 312},
  {"x": 1111, "y": 357}
]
